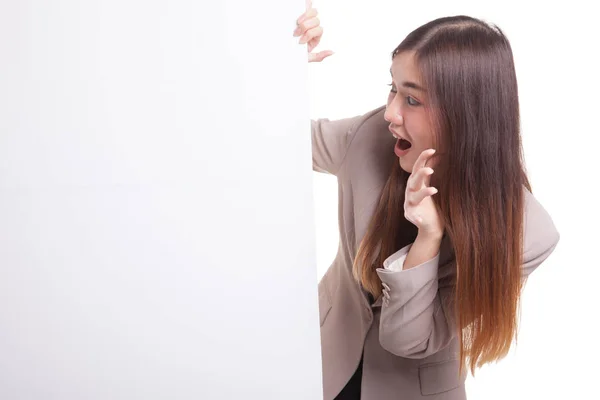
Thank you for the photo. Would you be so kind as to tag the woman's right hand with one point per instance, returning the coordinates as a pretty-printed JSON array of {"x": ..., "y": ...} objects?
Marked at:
[{"x": 308, "y": 28}]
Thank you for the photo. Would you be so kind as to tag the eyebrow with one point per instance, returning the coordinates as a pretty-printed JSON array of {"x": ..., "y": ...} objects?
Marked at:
[{"x": 409, "y": 84}]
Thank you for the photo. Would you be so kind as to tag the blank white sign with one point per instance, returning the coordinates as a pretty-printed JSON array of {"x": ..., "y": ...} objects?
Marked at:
[{"x": 156, "y": 219}]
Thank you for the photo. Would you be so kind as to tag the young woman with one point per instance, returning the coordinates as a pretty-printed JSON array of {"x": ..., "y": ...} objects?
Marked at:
[{"x": 438, "y": 226}]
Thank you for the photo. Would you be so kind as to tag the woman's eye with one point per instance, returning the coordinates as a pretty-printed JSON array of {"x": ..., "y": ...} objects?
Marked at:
[
  {"x": 392, "y": 88},
  {"x": 411, "y": 101}
]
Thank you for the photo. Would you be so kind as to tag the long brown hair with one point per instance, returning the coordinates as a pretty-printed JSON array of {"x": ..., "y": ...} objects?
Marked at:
[{"x": 468, "y": 68}]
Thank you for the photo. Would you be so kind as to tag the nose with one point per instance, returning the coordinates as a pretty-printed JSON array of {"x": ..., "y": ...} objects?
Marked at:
[{"x": 393, "y": 114}]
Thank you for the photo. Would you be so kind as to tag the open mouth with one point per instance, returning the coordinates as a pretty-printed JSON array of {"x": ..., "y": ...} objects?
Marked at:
[{"x": 404, "y": 144}]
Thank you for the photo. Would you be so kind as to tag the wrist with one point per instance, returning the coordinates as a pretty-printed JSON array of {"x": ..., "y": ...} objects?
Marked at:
[{"x": 425, "y": 247}]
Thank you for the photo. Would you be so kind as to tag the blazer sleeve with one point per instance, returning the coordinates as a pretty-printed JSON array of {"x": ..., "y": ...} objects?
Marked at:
[
  {"x": 417, "y": 316},
  {"x": 330, "y": 142}
]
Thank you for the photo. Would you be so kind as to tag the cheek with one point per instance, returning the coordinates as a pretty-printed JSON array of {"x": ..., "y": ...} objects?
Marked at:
[{"x": 420, "y": 131}]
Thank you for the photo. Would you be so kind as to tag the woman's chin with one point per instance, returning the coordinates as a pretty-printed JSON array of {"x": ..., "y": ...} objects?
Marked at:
[{"x": 405, "y": 165}]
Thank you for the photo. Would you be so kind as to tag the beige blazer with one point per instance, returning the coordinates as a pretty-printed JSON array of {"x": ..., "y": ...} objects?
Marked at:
[{"x": 410, "y": 347}]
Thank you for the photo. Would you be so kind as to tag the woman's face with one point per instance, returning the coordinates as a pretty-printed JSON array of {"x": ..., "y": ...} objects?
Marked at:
[{"x": 408, "y": 111}]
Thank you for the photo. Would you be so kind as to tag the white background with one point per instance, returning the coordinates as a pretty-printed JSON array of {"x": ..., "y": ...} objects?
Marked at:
[
  {"x": 555, "y": 46},
  {"x": 156, "y": 228}
]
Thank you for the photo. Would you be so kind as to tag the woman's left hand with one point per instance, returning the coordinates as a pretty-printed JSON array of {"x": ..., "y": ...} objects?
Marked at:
[{"x": 419, "y": 207}]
